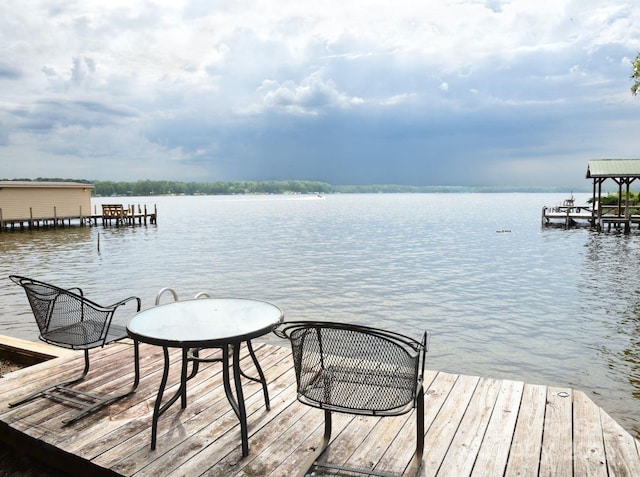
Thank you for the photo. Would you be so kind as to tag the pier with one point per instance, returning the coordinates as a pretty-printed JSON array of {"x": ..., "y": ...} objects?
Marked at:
[
  {"x": 108, "y": 215},
  {"x": 567, "y": 214},
  {"x": 603, "y": 218},
  {"x": 473, "y": 425}
]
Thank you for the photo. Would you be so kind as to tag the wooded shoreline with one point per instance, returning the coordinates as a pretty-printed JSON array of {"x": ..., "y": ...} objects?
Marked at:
[{"x": 156, "y": 188}]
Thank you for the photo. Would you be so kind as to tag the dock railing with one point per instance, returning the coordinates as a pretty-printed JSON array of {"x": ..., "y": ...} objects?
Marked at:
[
  {"x": 120, "y": 215},
  {"x": 568, "y": 214},
  {"x": 618, "y": 216}
]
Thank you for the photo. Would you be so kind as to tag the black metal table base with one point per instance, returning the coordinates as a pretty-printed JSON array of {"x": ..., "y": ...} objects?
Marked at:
[{"x": 236, "y": 401}]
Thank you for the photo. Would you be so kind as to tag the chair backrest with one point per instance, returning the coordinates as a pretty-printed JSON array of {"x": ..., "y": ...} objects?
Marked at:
[
  {"x": 355, "y": 369},
  {"x": 59, "y": 312}
]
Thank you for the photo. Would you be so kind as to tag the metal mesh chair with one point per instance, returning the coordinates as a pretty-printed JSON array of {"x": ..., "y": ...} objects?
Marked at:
[
  {"x": 357, "y": 370},
  {"x": 67, "y": 319},
  {"x": 193, "y": 354}
]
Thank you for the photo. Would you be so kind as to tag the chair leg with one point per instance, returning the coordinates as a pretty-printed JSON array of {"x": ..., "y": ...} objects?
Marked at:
[
  {"x": 311, "y": 460},
  {"x": 416, "y": 462},
  {"x": 193, "y": 355},
  {"x": 54, "y": 386},
  {"x": 412, "y": 470},
  {"x": 62, "y": 392},
  {"x": 100, "y": 401}
]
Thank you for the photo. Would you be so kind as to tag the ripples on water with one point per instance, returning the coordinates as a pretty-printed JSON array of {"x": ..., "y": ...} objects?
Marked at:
[{"x": 502, "y": 297}]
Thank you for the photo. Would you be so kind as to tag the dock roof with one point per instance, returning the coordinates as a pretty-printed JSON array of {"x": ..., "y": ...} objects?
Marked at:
[{"x": 613, "y": 168}]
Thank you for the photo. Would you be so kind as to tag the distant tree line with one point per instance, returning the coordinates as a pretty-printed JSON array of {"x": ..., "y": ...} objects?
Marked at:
[
  {"x": 151, "y": 188},
  {"x": 433, "y": 189},
  {"x": 148, "y": 187}
]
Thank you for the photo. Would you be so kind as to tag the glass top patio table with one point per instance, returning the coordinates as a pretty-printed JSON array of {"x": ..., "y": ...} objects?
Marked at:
[{"x": 206, "y": 323}]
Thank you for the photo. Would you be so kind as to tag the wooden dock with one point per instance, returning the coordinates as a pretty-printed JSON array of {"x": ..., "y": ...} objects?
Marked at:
[
  {"x": 604, "y": 218},
  {"x": 474, "y": 426},
  {"x": 117, "y": 214},
  {"x": 29, "y": 352},
  {"x": 567, "y": 216},
  {"x": 110, "y": 215}
]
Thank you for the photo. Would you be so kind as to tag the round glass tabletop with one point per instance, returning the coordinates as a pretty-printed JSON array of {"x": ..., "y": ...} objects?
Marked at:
[{"x": 204, "y": 322}]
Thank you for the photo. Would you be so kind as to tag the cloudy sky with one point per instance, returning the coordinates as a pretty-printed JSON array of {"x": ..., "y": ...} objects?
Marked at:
[{"x": 423, "y": 92}]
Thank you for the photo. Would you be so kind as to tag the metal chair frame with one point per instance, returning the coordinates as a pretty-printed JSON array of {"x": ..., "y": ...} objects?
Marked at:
[
  {"x": 67, "y": 319},
  {"x": 193, "y": 355},
  {"x": 336, "y": 372}
]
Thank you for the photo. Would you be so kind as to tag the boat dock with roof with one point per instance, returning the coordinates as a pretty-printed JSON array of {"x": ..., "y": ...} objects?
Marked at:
[{"x": 620, "y": 216}]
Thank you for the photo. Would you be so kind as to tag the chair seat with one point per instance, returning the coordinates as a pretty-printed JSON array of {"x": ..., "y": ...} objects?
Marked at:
[
  {"x": 76, "y": 336},
  {"x": 359, "y": 390},
  {"x": 82, "y": 335},
  {"x": 116, "y": 333}
]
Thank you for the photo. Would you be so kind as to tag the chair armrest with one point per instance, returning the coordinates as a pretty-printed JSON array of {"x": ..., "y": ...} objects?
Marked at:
[
  {"x": 279, "y": 331},
  {"x": 126, "y": 300},
  {"x": 424, "y": 347}
]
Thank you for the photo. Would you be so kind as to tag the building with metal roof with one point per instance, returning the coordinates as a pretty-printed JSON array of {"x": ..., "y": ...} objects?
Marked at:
[
  {"x": 623, "y": 172},
  {"x": 613, "y": 169}
]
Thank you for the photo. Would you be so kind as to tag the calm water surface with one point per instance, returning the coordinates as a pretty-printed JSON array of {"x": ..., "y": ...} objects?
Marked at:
[{"x": 501, "y": 296}]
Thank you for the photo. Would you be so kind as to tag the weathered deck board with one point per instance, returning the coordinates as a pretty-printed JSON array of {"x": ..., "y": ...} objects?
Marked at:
[
  {"x": 587, "y": 438},
  {"x": 474, "y": 426},
  {"x": 494, "y": 452},
  {"x": 524, "y": 455},
  {"x": 557, "y": 437},
  {"x": 620, "y": 448}
]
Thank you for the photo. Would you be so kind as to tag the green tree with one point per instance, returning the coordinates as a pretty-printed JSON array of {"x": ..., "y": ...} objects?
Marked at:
[{"x": 635, "y": 77}]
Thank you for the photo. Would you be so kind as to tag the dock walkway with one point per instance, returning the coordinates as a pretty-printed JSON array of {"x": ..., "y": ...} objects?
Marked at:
[
  {"x": 111, "y": 214},
  {"x": 474, "y": 425},
  {"x": 567, "y": 215}
]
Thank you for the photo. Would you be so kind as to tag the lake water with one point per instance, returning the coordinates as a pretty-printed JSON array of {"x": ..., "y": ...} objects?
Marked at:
[{"x": 501, "y": 296}]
